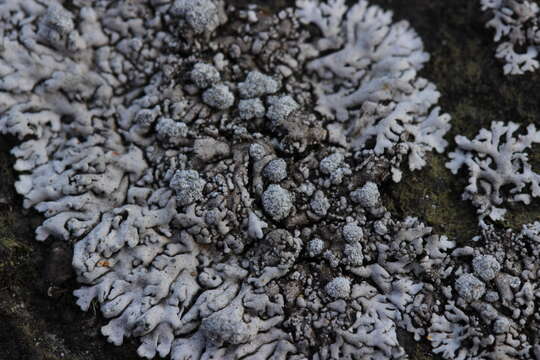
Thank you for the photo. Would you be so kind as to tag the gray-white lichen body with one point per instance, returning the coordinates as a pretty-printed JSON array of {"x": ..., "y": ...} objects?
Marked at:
[
  {"x": 277, "y": 202},
  {"x": 496, "y": 159},
  {"x": 204, "y": 75},
  {"x": 214, "y": 214},
  {"x": 188, "y": 186},
  {"x": 491, "y": 311},
  {"x": 219, "y": 96},
  {"x": 516, "y": 27},
  {"x": 368, "y": 83},
  {"x": 200, "y": 15},
  {"x": 257, "y": 85}
]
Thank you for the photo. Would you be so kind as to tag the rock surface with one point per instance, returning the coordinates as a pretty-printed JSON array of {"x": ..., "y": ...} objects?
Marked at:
[{"x": 38, "y": 315}]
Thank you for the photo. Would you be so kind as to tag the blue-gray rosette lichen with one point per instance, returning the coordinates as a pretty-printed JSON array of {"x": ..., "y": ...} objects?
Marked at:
[{"x": 218, "y": 172}]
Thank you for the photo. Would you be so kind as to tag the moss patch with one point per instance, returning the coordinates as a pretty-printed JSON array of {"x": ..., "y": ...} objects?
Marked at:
[{"x": 475, "y": 92}]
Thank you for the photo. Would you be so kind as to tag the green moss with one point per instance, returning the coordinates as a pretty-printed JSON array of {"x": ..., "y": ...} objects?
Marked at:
[
  {"x": 433, "y": 195},
  {"x": 417, "y": 350},
  {"x": 473, "y": 72},
  {"x": 8, "y": 240},
  {"x": 475, "y": 92}
]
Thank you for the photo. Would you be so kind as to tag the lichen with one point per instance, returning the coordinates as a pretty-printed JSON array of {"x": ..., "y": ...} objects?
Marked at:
[
  {"x": 497, "y": 159},
  {"x": 183, "y": 236},
  {"x": 367, "y": 81},
  {"x": 515, "y": 23}
]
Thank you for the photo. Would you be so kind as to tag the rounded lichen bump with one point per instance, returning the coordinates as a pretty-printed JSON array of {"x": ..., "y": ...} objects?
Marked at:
[{"x": 221, "y": 173}]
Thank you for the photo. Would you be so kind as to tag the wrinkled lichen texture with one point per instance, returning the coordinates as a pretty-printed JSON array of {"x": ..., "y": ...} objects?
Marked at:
[
  {"x": 515, "y": 24},
  {"x": 497, "y": 158},
  {"x": 188, "y": 223},
  {"x": 455, "y": 70},
  {"x": 369, "y": 84}
]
